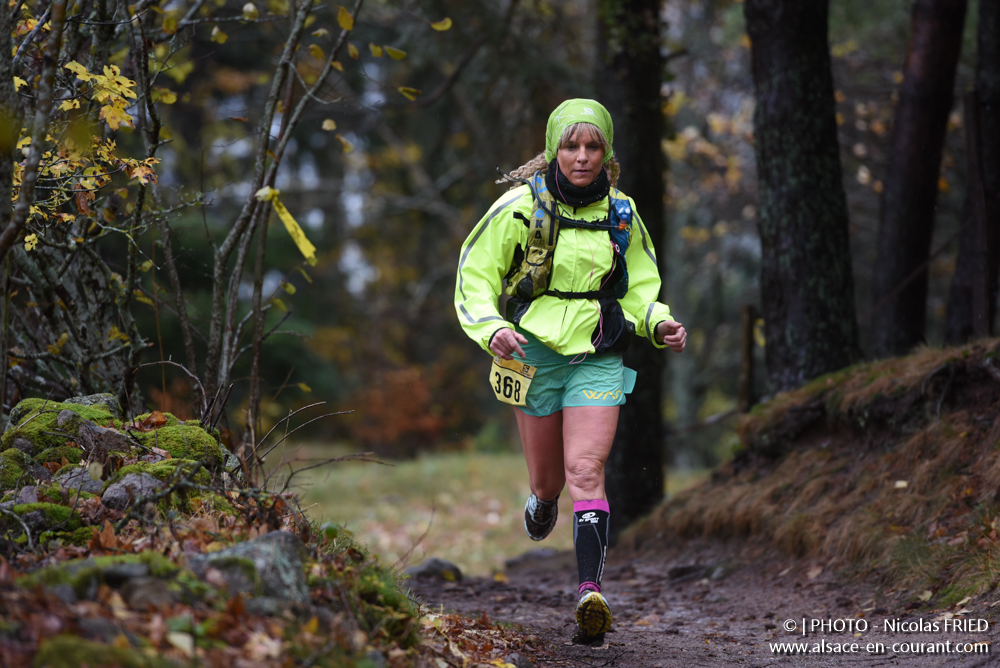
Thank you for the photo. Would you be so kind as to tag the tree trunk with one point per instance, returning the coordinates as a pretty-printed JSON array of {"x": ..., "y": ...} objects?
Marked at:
[
  {"x": 630, "y": 78},
  {"x": 911, "y": 184},
  {"x": 807, "y": 287},
  {"x": 959, "y": 321},
  {"x": 10, "y": 124}
]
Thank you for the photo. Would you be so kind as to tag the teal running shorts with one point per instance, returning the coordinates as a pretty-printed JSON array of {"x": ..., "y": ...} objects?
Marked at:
[{"x": 593, "y": 380}]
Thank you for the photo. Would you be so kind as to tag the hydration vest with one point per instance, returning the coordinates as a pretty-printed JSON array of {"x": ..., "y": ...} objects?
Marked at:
[{"x": 531, "y": 279}]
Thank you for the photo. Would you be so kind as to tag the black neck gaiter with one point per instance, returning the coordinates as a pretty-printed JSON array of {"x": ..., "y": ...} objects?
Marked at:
[{"x": 574, "y": 196}]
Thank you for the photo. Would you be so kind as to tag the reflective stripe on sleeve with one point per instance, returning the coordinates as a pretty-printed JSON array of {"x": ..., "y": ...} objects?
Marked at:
[{"x": 475, "y": 238}]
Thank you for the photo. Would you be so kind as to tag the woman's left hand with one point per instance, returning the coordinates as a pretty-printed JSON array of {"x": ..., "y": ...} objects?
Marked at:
[{"x": 672, "y": 334}]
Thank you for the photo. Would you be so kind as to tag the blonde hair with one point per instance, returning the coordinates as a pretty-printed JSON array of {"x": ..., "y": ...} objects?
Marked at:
[{"x": 540, "y": 164}]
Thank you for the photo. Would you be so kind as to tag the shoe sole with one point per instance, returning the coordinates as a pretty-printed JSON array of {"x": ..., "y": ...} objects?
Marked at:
[
  {"x": 537, "y": 538},
  {"x": 593, "y": 616}
]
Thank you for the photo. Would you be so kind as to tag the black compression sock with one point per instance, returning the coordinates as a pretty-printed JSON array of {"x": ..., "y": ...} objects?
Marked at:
[{"x": 590, "y": 536}]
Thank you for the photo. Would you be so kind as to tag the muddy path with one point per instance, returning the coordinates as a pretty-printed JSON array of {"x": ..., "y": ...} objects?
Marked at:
[{"x": 708, "y": 604}]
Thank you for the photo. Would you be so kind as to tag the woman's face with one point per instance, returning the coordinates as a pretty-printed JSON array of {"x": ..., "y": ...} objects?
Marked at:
[{"x": 581, "y": 159}]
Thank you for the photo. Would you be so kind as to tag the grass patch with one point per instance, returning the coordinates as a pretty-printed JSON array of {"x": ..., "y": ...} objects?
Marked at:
[{"x": 476, "y": 499}]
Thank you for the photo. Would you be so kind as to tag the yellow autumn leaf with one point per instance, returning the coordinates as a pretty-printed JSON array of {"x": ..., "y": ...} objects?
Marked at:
[
  {"x": 115, "y": 117},
  {"x": 218, "y": 36},
  {"x": 306, "y": 389},
  {"x": 114, "y": 333},
  {"x": 322, "y": 32},
  {"x": 344, "y": 19},
  {"x": 375, "y": 49},
  {"x": 395, "y": 54},
  {"x": 337, "y": 66},
  {"x": 288, "y": 287},
  {"x": 18, "y": 82},
  {"x": 442, "y": 25},
  {"x": 250, "y": 11},
  {"x": 30, "y": 242},
  {"x": 146, "y": 266},
  {"x": 409, "y": 93},
  {"x": 316, "y": 51},
  {"x": 280, "y": 304},
  {"x": 329, "y": 124},
  {"x": 170, "y": 24},
  {"x": 70, "y": 104},
  {"x": 352, "y": 51},
  {"x": 346, "y": 145},
  {"x": 81, "y": 72},
  {"x": 164, "y": 95},
  {"x": 56, "y": 348},
  {"x": 140, "y": 296}
]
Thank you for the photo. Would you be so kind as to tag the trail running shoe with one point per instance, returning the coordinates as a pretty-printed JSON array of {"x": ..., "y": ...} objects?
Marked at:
[
  {"x": 593, "y": 615},
  {"x": 540, "y": 516}
]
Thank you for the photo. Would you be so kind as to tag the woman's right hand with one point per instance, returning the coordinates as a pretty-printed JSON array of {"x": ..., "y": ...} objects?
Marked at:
[{"x": 505, "y": 343}]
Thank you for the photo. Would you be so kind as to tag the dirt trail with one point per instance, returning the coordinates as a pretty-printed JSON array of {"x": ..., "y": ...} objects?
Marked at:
[{"x": 707, "y": 604}]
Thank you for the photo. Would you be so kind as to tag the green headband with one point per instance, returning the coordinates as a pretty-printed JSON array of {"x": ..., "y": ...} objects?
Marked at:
[{"x": 577, "y": 111}]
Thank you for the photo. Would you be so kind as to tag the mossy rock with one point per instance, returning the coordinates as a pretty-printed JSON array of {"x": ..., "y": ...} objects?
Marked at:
[
  {"x": 43, "y": 515},
  {"x": 79, "y": 573},
  {"x": 56, "y": 454},
  {"x": 78, "y": 537},
  {"x": 172, "y": 420},
  {"x": 41, "y": 432},
  {"x": 185, "y": 441},
  {"x": 13, "y": 463},
  {"x": 216, "y": 503},
  {"x": 68, "y": 651},
  {"x": 109, "y": 401},
  {"x": 53, "y": 492},
  {"x": 163, "y": 470}
]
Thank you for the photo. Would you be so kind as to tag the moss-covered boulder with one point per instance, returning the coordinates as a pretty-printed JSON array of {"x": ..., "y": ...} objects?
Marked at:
[
  {"x": 109, "y": 401},
  {"x": 166, "y": 470},
  {"x": 13, "y": 464},
  {"x": 72, "y": 454},
  {"x": 34, "y": 424},
  {"x": 52, "y": 493},
  {"x": 270, "y": 566},
  {"x": 82, "y": 574},
  {"x": 40, "y": 517},
  {"x": 68, "y": 651},
  {"x": 184, "y": 440}
]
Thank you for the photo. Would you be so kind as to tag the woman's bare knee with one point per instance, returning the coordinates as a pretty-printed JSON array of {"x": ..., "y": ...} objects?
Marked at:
[{"x": 586, "y": 475}]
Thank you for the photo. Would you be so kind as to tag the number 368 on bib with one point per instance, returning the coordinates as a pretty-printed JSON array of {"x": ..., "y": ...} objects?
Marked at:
[{"x": 510, "y": 380}]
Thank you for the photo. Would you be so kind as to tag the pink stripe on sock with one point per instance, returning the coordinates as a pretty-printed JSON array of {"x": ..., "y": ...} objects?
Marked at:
[
  {"x": 588, "y": 585},
  {"x": 594, "y": 504}
]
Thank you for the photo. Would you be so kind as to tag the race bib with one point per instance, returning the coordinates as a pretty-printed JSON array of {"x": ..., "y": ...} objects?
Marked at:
[{"x": 510, "y": 380}]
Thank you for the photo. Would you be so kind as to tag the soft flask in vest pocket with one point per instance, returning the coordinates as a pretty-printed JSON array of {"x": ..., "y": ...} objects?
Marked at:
[{"x": 532, "y": 278}]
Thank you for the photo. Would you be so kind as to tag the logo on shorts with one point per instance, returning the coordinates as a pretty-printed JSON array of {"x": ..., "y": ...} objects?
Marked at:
[
  {"x": 590, "y": 518},
  {"x": 600, "y": 396}
]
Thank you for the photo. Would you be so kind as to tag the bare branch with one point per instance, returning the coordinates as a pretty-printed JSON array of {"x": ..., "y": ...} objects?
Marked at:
[{"x": 38, "y": 129}]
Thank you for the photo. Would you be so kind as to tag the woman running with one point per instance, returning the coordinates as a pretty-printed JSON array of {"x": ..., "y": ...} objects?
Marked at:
[{"x": 569, "y": 260}]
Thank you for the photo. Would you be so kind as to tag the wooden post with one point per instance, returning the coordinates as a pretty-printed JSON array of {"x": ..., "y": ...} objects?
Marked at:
[
  {"x": 977, "y": 193},
  {"x": 746, "y": 399}
]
